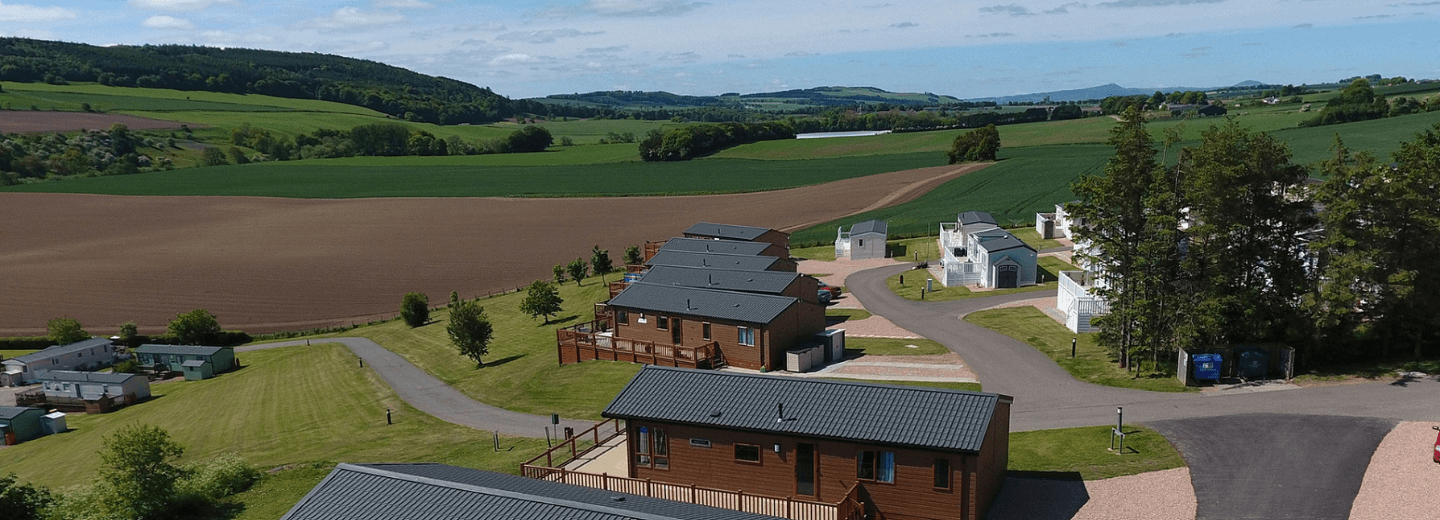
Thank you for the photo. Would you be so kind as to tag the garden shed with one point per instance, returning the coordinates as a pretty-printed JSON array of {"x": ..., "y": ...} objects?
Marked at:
[{"x": 19, "y": 424}]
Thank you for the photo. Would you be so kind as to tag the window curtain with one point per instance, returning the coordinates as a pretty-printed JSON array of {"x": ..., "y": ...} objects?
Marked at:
[{"x": 885, "y": 467}]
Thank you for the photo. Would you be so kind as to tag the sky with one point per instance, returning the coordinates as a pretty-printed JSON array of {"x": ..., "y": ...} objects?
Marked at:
[{"x": 963, "y": 48}]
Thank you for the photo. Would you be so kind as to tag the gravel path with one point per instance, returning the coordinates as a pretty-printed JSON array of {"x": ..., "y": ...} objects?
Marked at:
[
  {"x": 1157, "y": 495},
  {"x": 1403, "y": 478},
  {"x": 431, "y": 396},
  {"x": 875, "y": 326}
]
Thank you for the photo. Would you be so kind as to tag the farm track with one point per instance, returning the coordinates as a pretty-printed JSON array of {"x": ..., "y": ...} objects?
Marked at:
[{"x": 264, "y": 264}]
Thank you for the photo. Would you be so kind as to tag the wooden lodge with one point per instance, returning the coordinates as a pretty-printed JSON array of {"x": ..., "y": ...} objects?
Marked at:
[
  {"x": 798, "y": 448},
  {"x": 709, "y": 231}
]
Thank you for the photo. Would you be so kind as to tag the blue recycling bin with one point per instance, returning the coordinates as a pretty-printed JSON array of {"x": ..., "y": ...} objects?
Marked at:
[
  {"x": 1207, "y": 366},
  {"x": 1254, "y": 363}
]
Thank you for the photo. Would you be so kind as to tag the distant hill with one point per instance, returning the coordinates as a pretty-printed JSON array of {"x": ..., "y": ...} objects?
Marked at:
[
  {"x": 392, "y": 90},
  {"x": 818, "y": 96},
  {"x": 1107, "y": 90}
]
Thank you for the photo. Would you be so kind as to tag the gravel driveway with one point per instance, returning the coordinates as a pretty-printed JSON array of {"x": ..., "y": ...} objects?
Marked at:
[
  {"x": 1157, "y": 495},
  {"x": 1403, "y": 478}
]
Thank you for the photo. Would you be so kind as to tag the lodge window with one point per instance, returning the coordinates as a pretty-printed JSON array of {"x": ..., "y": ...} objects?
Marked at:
[
  {"x": 746, "y": 335},
  {"x": 862, "y": 243},
  {"x": 878, "y": 466},
  {"x": 652, "y": 448},
  {"x": 662, "y": 323},
  {"x": 622, "y": 317},
  {"x": 747, "y": 453},
  {"x": 705, "y": 330},
  {"x": 942, "y": 474}
]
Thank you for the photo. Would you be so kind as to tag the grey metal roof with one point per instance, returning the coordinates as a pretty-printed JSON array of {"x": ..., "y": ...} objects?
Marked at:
[
  {"x": 1003, "y": 243},
  {"x": 60, "y": 350},
  {"x": 975, "y": 217},
  {"x": 729, "y": 231},
  {"x": 703, "y": 245},
  {"x": 763, "y": 282},
  {"x": 883, "y": 414},
  {"x": 11, "y": 412},
  {"x": 87, "y": 377},
  {"x": 194, "y": 363},
  {"x": 869, "y": 226},
  {"x": 187, "y": 350},
  {"x": 441, "y": 492},
  {"x": 708, "y": 303},
  {"x": 713, "y": 260}
]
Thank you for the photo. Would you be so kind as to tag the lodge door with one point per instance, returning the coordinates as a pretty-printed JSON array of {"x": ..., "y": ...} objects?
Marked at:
[
  {"x": 805, "y": 469},
  {"x": 1008, "y": 277},
  {"x": 675, "y": 335}
]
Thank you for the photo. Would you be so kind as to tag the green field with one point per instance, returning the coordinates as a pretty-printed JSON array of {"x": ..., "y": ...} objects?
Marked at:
[
  {"x": 317, "y": 180},
  {"x": 1024, "y": 182},
  {"x": 1092, "y": 363},
  {"x": 522, "y": 371},
  {"x": 286, "y": 406},
  {"x": 102, "y": 91}
]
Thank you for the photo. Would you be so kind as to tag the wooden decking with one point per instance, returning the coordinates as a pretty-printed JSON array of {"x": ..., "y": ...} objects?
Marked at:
[
  {"x": 594, "y": 340},
  {"x": 567, "y": 454}
]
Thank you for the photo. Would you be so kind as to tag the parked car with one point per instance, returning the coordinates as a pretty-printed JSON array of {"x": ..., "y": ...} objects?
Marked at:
[
  {"x": 1437, "y": 445},
  {"x": 824, "y": 297},
  {"x": 834, "y": 291}
]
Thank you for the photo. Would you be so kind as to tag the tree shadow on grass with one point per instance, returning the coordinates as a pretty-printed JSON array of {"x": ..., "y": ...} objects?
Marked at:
[
  {"x": 558, "y": 321},
  {"x": 502, "y": 361},
  {"x": 1039, "y": 495}
]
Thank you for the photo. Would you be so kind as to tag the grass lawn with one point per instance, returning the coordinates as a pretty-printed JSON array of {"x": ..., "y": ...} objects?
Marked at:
[
  {"x": 180, "y": 96},
  {"x": 1029, "y": 236},
  {"x": 1375, "y": 370},
  {"x": 1086, "y": 451},
  {"x": 847, "y": 314},
  {"x": 1092, "y": 363},
  {"x": 276, "y": 493},
  {"x": 522, "y": 371},
  {"x": 7, "y": 354},
  {"x": 968, "y": 387},
  {"x": 921, "y": 249},
  {"x": 309, "y": 180},
  {"x": 822, "y": 252},
  {"x": 286, "y": 406},
  {"x": 915, "y": 280},
  {"x": 895, "y": 346}
]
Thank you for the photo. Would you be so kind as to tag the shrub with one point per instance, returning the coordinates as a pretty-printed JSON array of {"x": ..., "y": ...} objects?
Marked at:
[
  {"x": 219, "y": 477},
  {"x": 415, "y": 309}
]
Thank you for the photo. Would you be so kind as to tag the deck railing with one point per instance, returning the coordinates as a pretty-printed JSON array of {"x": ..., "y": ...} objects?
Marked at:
[
  {"x": 571, "y": 446},
  {"x": 737, "y": 500},
  {"x": 589, "y": 340}
]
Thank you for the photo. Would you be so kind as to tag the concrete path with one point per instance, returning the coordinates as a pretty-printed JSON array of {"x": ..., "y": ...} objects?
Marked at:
[
  {"x": 1275, "y": 466},
  {"x": 431, "y": 396}
]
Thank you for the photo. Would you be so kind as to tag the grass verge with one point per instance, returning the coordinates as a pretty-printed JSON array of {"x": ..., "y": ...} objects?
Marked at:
[
  {"x": 286, "y": 406},
  {"x": 823, "y": 252},
  {"x": 847, "y": 314},
  {"x": 1031, "y": 237},
  {"x": 1371, "y": 371},
  {"x": 1086, "y": 451},
  {"x": 920, "y": 249},
  {"x": 1092, "y": 363},
  {"x": 7, "y": 354},
  {"x": 522, "y": 371},
  {"x": 895, "y": 346}
]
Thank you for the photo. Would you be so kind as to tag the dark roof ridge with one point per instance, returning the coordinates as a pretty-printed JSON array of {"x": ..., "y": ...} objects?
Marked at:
[
  {"x": 372, "y": 469},
  {"x": 709, "y": 289}
]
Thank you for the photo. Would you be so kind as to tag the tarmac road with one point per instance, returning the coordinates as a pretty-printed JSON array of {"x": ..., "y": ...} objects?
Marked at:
[{"x": 431, "y": 396}]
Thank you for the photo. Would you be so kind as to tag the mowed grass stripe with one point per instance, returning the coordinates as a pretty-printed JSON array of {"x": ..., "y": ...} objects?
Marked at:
[
  {"x": 285, "y": 406},
  {"x": 309, "y": 180}
]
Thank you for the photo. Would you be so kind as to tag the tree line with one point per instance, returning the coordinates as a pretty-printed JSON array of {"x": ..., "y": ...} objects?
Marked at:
[
  {"x": 1359, "y": 102},
  {"x": 369, "y": 140},
  {"x": 117, "y": 151},
  {"x": 1233, "y": 245},
  {"x": 688, "y": 142}
]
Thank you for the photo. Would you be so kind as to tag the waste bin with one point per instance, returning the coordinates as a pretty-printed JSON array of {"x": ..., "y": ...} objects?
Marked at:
[
  {"x": 1254, "y": 363},
  {"x": 1207, "y": 366}
]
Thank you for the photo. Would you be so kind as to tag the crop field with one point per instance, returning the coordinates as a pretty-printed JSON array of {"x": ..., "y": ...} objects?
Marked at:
[
  {"x": 264, "y": 264},
  {"x": 313, "y": 180},
  {"x": 556, "y": 156},
  {"x": 587, "y": 131},
  {"x": 792, "y": 149},
  {"x": 310, "y": 402},
  {"x": 300, "y": 105},
  {"x": 1378, "y": 136},
  {"x": 1025, "y": 181}
]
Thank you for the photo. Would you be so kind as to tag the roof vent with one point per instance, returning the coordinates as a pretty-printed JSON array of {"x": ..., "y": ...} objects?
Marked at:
[
  {"x": 737, "y": 305},
  {"x": 715, "y": 414},
  {"x": 617, "y": 498},
  {"x": 779, "y": 412}
]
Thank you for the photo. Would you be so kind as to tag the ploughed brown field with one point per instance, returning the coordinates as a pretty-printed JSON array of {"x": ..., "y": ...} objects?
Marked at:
[
  {"x": 17, "y": 121},
  {"x": 268, "y": 264}
]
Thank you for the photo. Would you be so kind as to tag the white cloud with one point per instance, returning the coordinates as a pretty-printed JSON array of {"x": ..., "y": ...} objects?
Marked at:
[
  {"x": 403, "y": 4},
  {"x": 180, "y": 5},
  {"x": 548, "y": 36},
  {"x": 32, "y": 14},
  {"x": 1011, "y": 9},
  {"x": 641, "y": 7},
  {"x": 1154, "y": 3},
  {"x": 510, "y": 59},
  {"x": 904, "y": 25},
  {"x": 168, "y": 22},
  {"x": 349, "y": 17}
]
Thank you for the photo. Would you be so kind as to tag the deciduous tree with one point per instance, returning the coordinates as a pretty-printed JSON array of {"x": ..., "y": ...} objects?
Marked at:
[
  {"x": 137, "y": 469},
  {"x": 542, "y": 299},
  {"x": 415, "y": 309},
  {"x": 196, "y": 327},
  {"x": 559, "y": 271},
  {"x": 64, "y": 331},
  {"x": 470, "y": 330},
  {"x": 600, "y": 260},
  {"x": 578, "y": 270},
  {"x": 20, "y": 501},
  {"x": 980, "y": 144},
  {"x": 633, "y": 256}
]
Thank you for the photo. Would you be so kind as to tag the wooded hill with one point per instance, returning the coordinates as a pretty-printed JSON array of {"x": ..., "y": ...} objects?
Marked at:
[
  {"x": 811, "y": 97},
  {"x": 377, "y": 86}
]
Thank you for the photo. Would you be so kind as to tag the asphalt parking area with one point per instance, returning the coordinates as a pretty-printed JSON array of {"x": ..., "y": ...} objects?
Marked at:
[{"x": 1275, "y": 466}]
